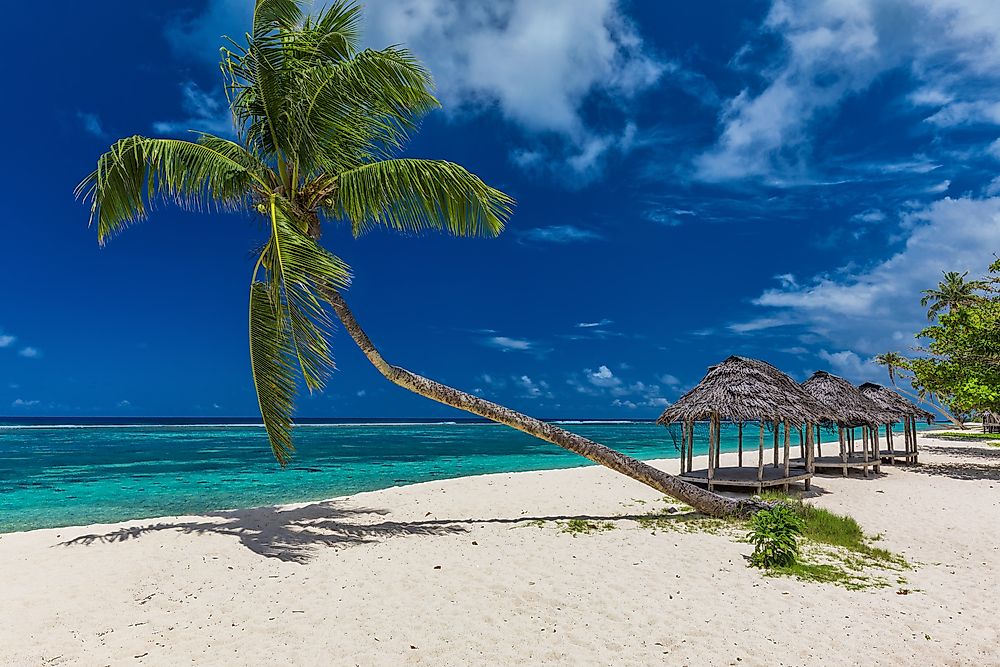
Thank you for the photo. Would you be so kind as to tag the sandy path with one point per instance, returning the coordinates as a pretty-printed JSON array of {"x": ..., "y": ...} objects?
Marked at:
[{"x": 452, "y": 573}]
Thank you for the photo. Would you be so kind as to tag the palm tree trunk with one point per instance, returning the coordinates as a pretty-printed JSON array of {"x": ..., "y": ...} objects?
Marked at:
[{"x": 700, "y": 499}]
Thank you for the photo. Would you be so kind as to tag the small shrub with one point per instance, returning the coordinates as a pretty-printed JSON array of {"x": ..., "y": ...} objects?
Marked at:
[{"x": 774, "y": 534}]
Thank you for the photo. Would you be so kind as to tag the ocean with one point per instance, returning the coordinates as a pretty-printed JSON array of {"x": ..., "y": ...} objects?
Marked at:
[{"x": 54, "y": 473}]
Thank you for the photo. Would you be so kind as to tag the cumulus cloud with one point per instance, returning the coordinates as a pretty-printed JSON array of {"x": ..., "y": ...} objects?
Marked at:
[
  {"x": 876, "y": 308},
  {"x": 535, "y": 64},
  {"x": 22, "y": 403},
  {"x": 30, "y": 352},
  {"x": 533, "y": 389},
  {"x": 833, "y": 50},
  {"x": 849, "y": 365},
  {"x": 7, "y": 341}
]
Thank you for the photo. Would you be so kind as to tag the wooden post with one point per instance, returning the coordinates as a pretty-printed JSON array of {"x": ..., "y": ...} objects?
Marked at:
[
  {"x": 819, "y": 441},
  {"x": 776, "y": 429},
  {"x": 843, "y": 447},
  {"x": 788, "y": 442},
  {"x": 711, "y": 453},
  {"x": 802, "y": 443},
  {"x": 740, "y": 436},
  {"x": 888, "y": 443},
  {"x": 810, "y": 466},
  {"x": 864, "y": 445},
  {"x": 760, "y": 457},
  {"x": 913, "y": 427},
  {"x": 684, "y": 434},
  {"x": 718, "y": 443},
  {"x": 690, "y": 428}
]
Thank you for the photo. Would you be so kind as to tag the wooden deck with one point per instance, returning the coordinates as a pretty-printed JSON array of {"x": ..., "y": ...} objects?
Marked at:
[
  {"x": 747, "y": 477},
  {"x": 898, "y": 455},
  {"x": 854, "y": 462}
]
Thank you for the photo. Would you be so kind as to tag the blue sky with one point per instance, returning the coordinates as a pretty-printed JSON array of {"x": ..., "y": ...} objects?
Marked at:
[{"x": 775, "y": 179}]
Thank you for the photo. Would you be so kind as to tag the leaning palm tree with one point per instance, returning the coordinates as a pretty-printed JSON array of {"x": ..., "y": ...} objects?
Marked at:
[
  {"x": 951, "y": 293},
  {"x": 894, "y": 363},
  {"x": 317, "y": 124}
]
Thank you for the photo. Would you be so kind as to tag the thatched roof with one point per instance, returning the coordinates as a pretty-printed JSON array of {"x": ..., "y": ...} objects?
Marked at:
[
  {"x": 741, "y": 389},
  {"x": 844, "y": 403},
  {"x": 893, "y": 403}
]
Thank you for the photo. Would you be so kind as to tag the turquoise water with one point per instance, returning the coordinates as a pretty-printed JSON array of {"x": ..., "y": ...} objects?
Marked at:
[{"x": 53, "y": 476}]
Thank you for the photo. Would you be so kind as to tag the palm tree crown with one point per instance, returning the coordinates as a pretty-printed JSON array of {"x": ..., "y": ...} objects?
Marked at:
[
  {"x": 951, "y": 293},
  {"x": 317, "y": 123}
]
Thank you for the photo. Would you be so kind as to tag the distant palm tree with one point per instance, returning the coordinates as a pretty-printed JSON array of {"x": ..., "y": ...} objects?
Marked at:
[
  {"x": 951, "y": 293},
  {"x": 893, "y": 361},
  {"x": 317, "y": 124}
]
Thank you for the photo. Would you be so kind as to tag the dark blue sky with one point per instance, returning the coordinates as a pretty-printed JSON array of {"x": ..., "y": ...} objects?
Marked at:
[{"x": 775, "y": 179}]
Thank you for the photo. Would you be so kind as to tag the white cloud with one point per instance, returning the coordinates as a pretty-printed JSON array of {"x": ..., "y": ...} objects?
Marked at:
[
  {"x": 835, "y": 49},
  {"x": 533, "y": 389},
  {"x": 590, "y": 325},
  {"x": 850, "y": 366},
  {"x": 361, "y": 393},
  {"x": 91, "y": 124},
  {"x": 670, "y": 380},
  {"x": 124, "y": 404},
  {"x": 602, "y": 377},
  {"x": 559, "y": 234},
  {"x": 872, "y": 215},
  {"x": 533, "y": 63},
  {"x": 205, "y": 113},
  {"x": 7, "y": 341},
  {"x": 505, "y": 343},
  {"x": 22, "y": 403},
  {"x": 877, "y": 308},
  {"x": 30, "y": 352}
]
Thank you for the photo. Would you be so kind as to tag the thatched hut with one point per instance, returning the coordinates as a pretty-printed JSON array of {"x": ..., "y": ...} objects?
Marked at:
[
  {"x": 741, "y": 390},
  {"x": 898, "y": 409},
  {"x": 847, "y": 409}
]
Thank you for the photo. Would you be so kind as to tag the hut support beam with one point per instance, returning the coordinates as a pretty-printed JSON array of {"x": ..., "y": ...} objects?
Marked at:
[
  {"x": 788, "y": 439},
  {"x": 740, "y": 437},
  {"x": 760, "y": 456},
  {"x": 777, "y": 428}
]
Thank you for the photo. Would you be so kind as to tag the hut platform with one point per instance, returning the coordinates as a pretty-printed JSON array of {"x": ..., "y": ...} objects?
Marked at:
[
  {"x": 737, "y": 476},
  {"x": 836, "y": 464},
  {"x": 898, "y": 455}
]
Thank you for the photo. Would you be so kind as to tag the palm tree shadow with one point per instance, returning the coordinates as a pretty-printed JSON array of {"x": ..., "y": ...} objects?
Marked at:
[{"x": 292, "y": 535}]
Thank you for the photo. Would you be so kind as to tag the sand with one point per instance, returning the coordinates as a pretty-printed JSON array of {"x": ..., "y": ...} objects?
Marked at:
[{"x": 456, "y": 573}]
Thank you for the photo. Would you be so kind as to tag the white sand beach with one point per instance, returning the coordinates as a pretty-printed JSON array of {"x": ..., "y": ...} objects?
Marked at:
[{"x": 457, "y": 573}]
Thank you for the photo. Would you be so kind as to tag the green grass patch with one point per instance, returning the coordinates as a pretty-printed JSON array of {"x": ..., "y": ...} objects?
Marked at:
[
  {"x": 836, "y": 550},
  {"x": 585, "y": 526}
]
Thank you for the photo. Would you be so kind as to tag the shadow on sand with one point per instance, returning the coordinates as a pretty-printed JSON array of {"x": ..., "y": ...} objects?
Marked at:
[
  {"x": 989, "y": 469},
  {"x": 293, "y": 535}
]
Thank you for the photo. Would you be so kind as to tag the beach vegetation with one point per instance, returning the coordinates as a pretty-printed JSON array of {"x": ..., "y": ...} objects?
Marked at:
[
  {"x": 585, "y": 526},
  {"x": 775, "y": 534},
  {"x": 318, "y": 125},
  {"x": 957, "y": 366}
]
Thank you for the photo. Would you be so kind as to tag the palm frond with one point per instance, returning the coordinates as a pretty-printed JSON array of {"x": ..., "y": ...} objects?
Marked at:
[
  {"x": 137, "y": 171},
  {"x": 414, "y": 195},
  {"x": 272, "y": 367},
  {"x": 300, "y": 268}
]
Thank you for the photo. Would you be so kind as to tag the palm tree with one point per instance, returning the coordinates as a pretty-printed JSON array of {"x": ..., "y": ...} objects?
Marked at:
[
  {"x": 894, "y": 362},
  {"x": 317, "y": 124},
  {"x": 953, "y": 292}
]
